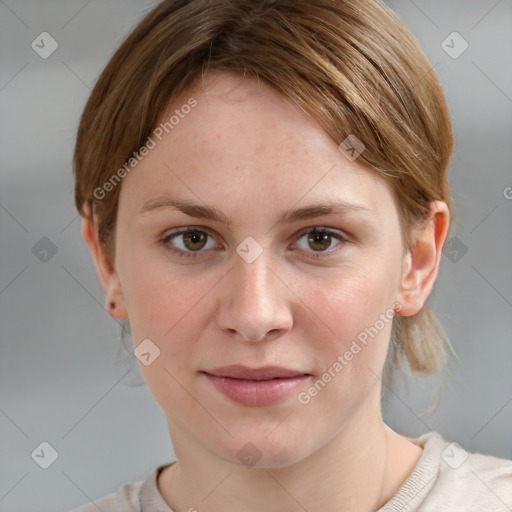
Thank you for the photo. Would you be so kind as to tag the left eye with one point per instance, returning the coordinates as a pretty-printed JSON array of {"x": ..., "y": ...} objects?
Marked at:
[
  {"x": 192, "y": 241},
  {"x": 321, "y": 239}
]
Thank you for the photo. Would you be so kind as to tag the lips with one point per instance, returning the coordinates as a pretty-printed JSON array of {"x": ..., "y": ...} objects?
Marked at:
[
  {"x": 264, "y": 373},
  {"x": 256, "y": 387}
]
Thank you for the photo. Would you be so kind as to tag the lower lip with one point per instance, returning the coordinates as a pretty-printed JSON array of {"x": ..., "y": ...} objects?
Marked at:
[{"x": 257, "y": 392}]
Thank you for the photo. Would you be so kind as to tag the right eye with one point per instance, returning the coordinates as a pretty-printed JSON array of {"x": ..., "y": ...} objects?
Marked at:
[{"x": 192, "y": 241}]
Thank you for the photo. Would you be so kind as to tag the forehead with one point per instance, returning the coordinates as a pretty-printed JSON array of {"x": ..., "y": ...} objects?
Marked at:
[
  {"x": 231, "y": 108},
  {"x": 244, "y": 143}
]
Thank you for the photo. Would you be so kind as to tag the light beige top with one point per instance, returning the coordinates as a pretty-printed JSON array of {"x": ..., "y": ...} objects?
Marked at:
[{"x": 445, "y": 479}]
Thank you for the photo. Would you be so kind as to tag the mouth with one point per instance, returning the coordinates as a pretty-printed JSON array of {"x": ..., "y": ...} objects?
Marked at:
[
  {"x": 256, "y": 386},
  {"x": 263, "y": 373}
]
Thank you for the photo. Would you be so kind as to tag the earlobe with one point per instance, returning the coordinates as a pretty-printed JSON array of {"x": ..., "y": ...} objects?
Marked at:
[
  {"x": 114, "y": 299},
  {"x": 421, "y": 262}
]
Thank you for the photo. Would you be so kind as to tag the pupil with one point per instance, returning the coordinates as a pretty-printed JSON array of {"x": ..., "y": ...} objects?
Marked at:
[
  {"x": 321, "y": 239},
  {"x": 195, "y": 238}
]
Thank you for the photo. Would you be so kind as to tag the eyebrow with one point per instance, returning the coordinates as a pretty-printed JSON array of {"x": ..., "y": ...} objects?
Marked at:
[{"x": 288, "y": 216}]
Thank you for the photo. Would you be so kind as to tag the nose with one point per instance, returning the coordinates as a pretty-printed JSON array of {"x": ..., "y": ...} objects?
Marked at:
[{"x": 255, "y": 303}]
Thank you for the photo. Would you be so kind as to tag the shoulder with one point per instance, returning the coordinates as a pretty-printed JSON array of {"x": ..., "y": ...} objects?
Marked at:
[
  {"x": 139, "y": 496},
  {"x": 469, "y": 481},
  {"x": 447, "y": 478},
  {"x": 125, "y": 499}
]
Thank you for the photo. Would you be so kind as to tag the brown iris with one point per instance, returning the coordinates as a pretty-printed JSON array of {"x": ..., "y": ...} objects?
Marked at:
[
  {"x": 320, "y": 240},
  {"x": 194, "y": 240}
]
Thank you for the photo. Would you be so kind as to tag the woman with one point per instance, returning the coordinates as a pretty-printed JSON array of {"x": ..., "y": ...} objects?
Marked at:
[{"x": 264, "y": 192}]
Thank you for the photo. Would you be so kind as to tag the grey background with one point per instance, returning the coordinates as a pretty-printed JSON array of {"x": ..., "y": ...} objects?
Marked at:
[{"x": 63, "y": 376}]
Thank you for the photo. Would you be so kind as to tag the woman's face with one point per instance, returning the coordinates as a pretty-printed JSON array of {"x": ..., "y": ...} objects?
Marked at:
[{"x": 259, "y": 291}]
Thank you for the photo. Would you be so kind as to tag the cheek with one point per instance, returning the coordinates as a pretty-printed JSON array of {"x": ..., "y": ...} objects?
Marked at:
[
  {"x": 161, "y": 297},
  {"x": 170, "y": 309},
  {"x": 351, "y": 326},
  {"x": 348, "y": 301}
]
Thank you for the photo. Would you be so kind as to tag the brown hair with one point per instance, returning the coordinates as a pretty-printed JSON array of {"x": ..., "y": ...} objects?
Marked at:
[{"x": 352, "y": 65}]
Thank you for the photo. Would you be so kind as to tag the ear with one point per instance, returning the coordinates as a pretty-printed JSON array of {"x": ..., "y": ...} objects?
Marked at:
[
  {"x": 421, "y": 262},
  {"x": 106, "y": 270}
]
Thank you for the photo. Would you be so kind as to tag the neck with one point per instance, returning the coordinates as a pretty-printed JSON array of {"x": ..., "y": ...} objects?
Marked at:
[{"x": 359, "y": 469}]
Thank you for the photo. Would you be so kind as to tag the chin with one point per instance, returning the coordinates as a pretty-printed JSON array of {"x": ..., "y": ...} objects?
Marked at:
[{"x": 262, "y": 453}]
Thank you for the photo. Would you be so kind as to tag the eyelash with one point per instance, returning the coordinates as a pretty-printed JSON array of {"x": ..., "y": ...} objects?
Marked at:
[{"x": 195, "y": 254}]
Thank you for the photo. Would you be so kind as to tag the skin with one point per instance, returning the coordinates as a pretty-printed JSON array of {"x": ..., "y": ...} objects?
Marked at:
[{"x": 251, "y": 153}]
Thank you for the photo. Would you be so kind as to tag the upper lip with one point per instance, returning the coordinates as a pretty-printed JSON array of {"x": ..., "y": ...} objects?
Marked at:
[{"x": 263, "y": 373}]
